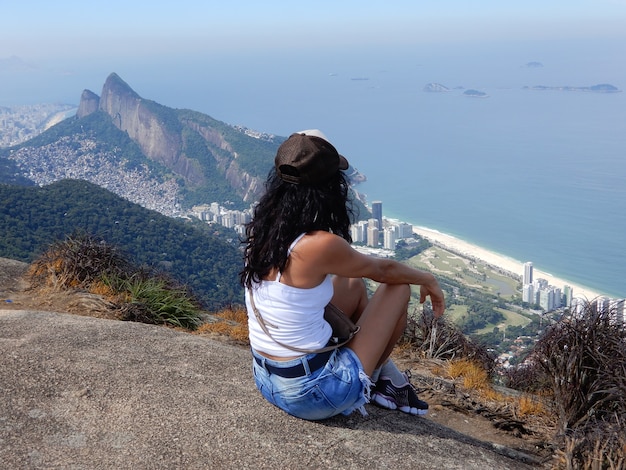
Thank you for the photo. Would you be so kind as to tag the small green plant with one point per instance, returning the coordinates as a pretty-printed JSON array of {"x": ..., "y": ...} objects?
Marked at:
[{"x": 154, "y": 300}]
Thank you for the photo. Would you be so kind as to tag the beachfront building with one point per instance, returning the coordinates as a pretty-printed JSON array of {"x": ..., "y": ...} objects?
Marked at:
[
  {"x": 602, "y": 304},
  {"x": 616, "y": 307},
  {"x": 549, "y": 298},
  {"x": 578, "y": 307},
  {"x": 540, "y": 292},
  {"x": 377, "y": 213},
  {"x": 530, "y": 291},
  {"x": 404, "y": 230},
  {"x": 372, "y": 235},
  {"x": 528, "y": 294},
  {"x": 389, "y": 238},
  {"x": 358, "y": 232},
  {"x": 568, "y": 295},
  {"x": 527, "y": 277}
]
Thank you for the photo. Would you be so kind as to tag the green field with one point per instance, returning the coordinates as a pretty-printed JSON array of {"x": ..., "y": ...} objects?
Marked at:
[
  {"x": 469, "y": 272},
  {"x": 476, "y": 276}
]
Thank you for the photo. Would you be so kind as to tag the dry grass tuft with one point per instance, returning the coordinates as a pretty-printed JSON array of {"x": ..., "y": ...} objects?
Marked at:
[
  {"x": 231, "y": 322},
  {"x": 528, "y": 405},
  {"x": 237, "y": 314},
  {"x": 476, "y": 378},
  {"x": 492, "y": 395},
  {"x": 103, "y": 289},
  {"x": 474, "y": 375}
]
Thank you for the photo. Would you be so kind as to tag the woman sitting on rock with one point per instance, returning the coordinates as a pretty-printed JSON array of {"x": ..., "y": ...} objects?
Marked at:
[{"x": 298, "y": 258}]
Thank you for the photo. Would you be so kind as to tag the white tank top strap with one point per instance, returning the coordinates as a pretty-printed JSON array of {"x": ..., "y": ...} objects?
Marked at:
[
  {"x": 291, "y": 247},
  {"x": 293, "y": 244}
]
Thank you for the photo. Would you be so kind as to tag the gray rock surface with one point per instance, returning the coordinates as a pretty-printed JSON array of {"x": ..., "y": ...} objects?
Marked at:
[{"x": 86, "y": 393}]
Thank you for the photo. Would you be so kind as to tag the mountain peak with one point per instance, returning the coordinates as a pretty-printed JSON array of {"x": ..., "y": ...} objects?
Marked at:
[
  {"x": 89, "y": 103},
  {"x": 115, "y": 85},
  {"x": 192, "y": 154}
]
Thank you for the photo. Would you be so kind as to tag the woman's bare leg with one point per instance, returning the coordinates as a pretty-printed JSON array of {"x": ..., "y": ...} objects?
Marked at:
[
  {"x": 382, "y": 323},
  {"x": 350, "y": 295}
]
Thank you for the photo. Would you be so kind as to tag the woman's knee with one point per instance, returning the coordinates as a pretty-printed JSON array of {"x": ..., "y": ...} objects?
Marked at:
[
  {"x": 359, "y": 288},
  {"x": 400, "y": 292}
]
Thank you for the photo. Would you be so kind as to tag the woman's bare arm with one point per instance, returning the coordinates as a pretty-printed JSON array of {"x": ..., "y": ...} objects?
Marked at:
[{"x": 334, "y": 255}]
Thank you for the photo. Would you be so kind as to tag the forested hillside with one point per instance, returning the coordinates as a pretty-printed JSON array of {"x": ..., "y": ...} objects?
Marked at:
[{"x": 205, "y": 258}]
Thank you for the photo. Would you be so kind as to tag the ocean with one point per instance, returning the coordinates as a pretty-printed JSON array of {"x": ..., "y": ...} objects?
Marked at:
[{"x": 534, "y": 175}]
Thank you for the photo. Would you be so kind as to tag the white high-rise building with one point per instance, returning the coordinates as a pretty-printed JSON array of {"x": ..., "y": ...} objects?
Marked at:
[
  {"x": 372, "y": 236},
  {"x": 617, "y": 311},
  {"x": 568, "y": 295},
  {"x": 602, "y": 304},
  {"x": 528, "y": 273},
  {"x": 358, "y": 232},
  {"x": 558, "y": 297},
  {"x": 389, "y": 238},
  {"x": 578, "y": 307},
  {"x": 550, "y": 298},
  {"x": 528, "y": 294},
  {"x": 405, "y": 230}
]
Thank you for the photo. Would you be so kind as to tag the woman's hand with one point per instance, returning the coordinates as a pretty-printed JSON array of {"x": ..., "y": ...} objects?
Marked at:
[{"x": 435, "y": 293}]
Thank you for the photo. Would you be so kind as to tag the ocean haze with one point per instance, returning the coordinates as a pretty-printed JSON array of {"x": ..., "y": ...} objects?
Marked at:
[{"x": 534, "y": 175}]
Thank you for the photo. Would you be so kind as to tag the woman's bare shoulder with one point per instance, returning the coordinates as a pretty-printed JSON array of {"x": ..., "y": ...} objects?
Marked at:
[{"x": 321, "y": 239}]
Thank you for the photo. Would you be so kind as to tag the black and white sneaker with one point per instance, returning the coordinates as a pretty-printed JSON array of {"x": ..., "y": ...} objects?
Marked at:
[{"x": 403, "y": 397}]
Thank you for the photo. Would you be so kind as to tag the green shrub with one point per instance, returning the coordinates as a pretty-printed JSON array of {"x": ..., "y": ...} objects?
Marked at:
[
  {"x": 86, "y": 262},
  {"x": 153, "y": 300}
]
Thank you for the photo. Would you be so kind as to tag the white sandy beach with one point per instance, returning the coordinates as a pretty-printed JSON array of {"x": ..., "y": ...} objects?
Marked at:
[{"x": 501, "y": 261}]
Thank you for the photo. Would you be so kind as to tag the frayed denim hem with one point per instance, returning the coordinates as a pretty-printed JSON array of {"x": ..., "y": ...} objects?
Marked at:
[{"x": 365, "y": 397}]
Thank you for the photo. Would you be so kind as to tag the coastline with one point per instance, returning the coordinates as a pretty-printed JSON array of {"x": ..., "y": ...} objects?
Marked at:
[{"x": 503, "y": 262}]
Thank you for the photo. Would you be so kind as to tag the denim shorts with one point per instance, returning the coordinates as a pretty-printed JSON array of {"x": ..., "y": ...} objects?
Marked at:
[{"x": 339, "y": 387}]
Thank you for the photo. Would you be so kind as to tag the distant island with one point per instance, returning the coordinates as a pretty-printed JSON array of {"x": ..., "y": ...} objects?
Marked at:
[
  {"x": 534, "y": 65},
  {"x": 601, "y": 88},
  {"x": 435, "y": 88},
  {"x": 439, "y": 88},
  {"x": 475, "y": 94}
]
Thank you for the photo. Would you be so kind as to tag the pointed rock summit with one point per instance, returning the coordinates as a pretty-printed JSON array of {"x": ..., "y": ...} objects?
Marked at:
[
  {"x": 89, "y": 103},
  {"x": 180, "y": 140}
]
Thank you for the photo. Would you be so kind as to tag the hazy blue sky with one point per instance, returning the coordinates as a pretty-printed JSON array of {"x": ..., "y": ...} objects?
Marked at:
[
  {"x": 75, "y": 28},
  {"x": 170, "y": 50}
]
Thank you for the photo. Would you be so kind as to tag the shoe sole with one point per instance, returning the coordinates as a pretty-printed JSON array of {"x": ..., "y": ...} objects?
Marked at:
[
  {"x": 389, "y": 404},
  {"x": 384, "y": 401},
  {"x": 418, "y": 411}
]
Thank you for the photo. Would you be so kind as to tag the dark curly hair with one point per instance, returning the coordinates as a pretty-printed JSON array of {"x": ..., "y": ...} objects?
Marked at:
[{"x": 285, "y": 211}]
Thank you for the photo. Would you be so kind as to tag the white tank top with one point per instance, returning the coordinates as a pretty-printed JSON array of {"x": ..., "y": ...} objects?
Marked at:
[{"x": 293, "y": 315}]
